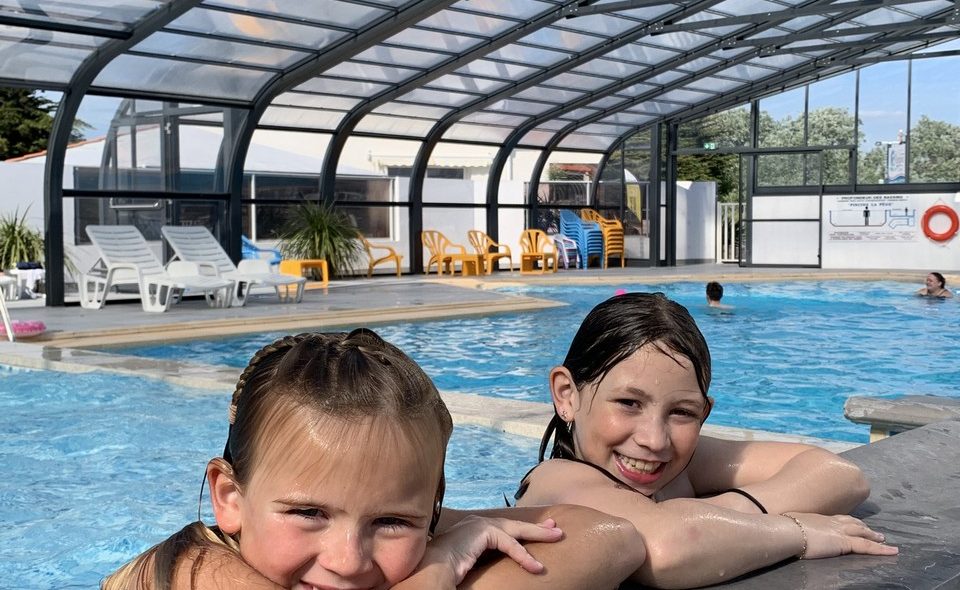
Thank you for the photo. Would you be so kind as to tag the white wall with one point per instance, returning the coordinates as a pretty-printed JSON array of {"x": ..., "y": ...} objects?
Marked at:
[
  {"x": 890, "y": 237},
  {"x": 785, "y": 242},
  {"x": 696, "y": 221}
]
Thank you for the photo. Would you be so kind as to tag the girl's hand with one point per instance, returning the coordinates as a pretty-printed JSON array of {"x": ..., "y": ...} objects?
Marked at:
[
  {"x": 461, "y": 546},
  {"x": 829, "y": 536}
]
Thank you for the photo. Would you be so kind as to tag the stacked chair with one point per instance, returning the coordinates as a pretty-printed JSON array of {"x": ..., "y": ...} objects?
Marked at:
[
  {"x": 612, "y": 230},
  {"x": 587, "y": 235}
]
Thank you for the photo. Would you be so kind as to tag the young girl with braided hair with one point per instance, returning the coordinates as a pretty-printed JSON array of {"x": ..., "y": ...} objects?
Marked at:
[{"x": 332, "y": 479}]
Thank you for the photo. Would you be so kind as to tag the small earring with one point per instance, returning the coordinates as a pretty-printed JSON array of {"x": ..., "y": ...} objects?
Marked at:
[{"x": 563, "y": 414}]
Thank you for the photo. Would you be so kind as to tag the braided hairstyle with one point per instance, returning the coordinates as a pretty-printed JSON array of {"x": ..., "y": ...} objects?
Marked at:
[
  {"x": 345, "y": 376},
  {"x": 616, "y": 329}
]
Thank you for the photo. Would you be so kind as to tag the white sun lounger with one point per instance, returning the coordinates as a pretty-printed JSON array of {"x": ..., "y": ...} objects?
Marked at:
[
  {"x": 126, "y": 259},
  {"x": 196, "y": 244}
]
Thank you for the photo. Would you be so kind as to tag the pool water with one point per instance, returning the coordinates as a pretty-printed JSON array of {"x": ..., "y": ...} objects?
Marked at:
[
  {"x": 95, "y": 468},
  {"x": 785, "y": 358}
]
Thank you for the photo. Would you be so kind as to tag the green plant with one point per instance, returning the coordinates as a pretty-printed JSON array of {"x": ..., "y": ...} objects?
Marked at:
[
  {"x": 18, "y": 241},
  {"x": 322, "y": 231}
]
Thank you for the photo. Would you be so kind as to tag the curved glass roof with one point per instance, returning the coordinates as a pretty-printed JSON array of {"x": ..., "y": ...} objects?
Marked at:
[{"x": 520, "y": 73}]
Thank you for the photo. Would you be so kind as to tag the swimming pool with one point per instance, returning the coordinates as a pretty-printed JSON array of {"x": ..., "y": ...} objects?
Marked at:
[
  {"x": 97, "y": 467},
  {"x": 785, "y": 359}
]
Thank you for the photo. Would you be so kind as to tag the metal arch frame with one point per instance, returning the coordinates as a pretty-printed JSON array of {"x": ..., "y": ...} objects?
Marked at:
[
  {"x": 797, "y": 76},
  {"x": 513, "y": 140},
  {"x": 562, "y": 133},
  {"x": 79, "y": 84},
  {"x": 356, "y": 114},
  {"x": 397, "y": 20},
  {"x": 443, "y": 124}
]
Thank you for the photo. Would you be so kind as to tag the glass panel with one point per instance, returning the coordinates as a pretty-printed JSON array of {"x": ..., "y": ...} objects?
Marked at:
[
  {"x": 169, "y": 44},
  {"x": 294, "y": 118},
  {"x": 528, "y": 55},
  {"x": 434, "y": 40},
  {"x": 452, "y": 20},
  {"x": 467, "y": 132},
  {"x": 299, "y": 99},
  {"x": 642, "y": 54},
  {"x": 830, "y": 120},
  {"x": 521, "y": 9},
  {"x": 334, "y": 12},
  {"x": 554, "y": 95},
  {"x": 468, "y": 84},
  {"x": 401, "y": 57},
  {"x": 782, "y": 120},
  {"x": 682, "y": 41},
  {"x": 780, "y": 170},
  {"x": 39, "y": 64},
  {"x": 587, "y": 142},
  {"x": 245, "y": 26},
  {"x": 665, "y": 77},
  {"x": 685, "y": 96},
  {"x": 607, "y": 102},
  {"x": 110, "y": 15},
  {"x": 274, "y": 150},
  {"x": 745, "y": 72},
  {"x": 610, "y": 68},
  {"x": 453, "y": 223},
  {"x": 883, "y": 119},
  {"x": 411, "y": 110},
  {"x": 395, "y": 125},
  {"x": 498, "y": 70},
  {"x": 627, "y": 118},
  {"x": 656, "y": 108},
  {"x": 602, "y": 24},
  {"x": 636, "y": 90},
  {"x": 161, "y": 75},
  {"x": 361, "y": 71},
  {"x": 565, "y": 40},
  {"x": 537, "y": 137},
  {"x": 935, "y": 121},
  {"x": 437, "y": 97},
  {"x": 730, "y": 128},
  {"x": 338, "y": 87},
  {"x": 715, "y": 84},
  {"x": 468, "y": 184},
  {"x": 388, "y": 157},
  {"x": 488, "y": 118},
  {"x": 520, "y": 106}
]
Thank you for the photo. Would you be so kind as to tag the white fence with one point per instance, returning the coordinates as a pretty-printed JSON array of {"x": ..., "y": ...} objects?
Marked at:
[{"x": 728, "y": 243}]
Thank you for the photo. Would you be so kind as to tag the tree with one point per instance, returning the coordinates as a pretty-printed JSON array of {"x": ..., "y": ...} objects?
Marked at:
[
  {"x": 934, "y": 151},
  {"x": 26, "y": 118}
]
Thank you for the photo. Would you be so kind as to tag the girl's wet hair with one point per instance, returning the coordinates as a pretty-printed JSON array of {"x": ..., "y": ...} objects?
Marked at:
[
  {"x": 940, "y": 279},
  {"x": 344, "y": 376},
  {"x": 614, "y": 330}
]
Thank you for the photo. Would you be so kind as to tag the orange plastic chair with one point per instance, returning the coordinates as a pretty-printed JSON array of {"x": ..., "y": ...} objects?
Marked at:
[
  {"x": 489, "y": 251},
  {"x": 390, "y": 256},
  {"x": 538, "y": 248},
  {"x": 612, "y": 230},
  {"x": 439, "y": 247}
]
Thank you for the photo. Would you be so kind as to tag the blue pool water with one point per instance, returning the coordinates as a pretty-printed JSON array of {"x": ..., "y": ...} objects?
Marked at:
[
  {"x": 785, "y": 359},
  {"x": 95, "y": 468}
]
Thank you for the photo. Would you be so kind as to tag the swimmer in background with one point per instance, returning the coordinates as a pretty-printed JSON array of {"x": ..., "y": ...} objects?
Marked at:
[
  {"x": 714, "y": 295},
  {"x": 936, "y": 286}
]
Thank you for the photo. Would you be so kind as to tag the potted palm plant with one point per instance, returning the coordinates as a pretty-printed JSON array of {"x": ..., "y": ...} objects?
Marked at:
[
  {"x": 320, "y": 231},
  {"x": 18, "y": 241}
]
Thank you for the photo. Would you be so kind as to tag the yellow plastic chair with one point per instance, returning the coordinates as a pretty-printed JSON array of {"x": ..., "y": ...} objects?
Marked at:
[
  {"x": 445, "y": 254},
  {"x": 612, "y": 230},
  {"x": 390, "y": 256},
  {"x": 489, "y": 251},
  {"x": 537, "y": 248}
]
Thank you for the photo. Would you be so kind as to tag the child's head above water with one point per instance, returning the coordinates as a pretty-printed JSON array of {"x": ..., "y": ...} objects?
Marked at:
[
  {"x": 332, "y": 475},
  {"x": 648, "y": 351},
  {"x": 333, "y": 467}
]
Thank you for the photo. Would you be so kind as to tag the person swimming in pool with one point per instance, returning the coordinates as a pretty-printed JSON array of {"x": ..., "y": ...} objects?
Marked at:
[
  {"x": 332, "y": 478},
  {"x": 714, "y": 295},
  {"x": 629, "y": 401},
  {"x": 935, "y": 286}
]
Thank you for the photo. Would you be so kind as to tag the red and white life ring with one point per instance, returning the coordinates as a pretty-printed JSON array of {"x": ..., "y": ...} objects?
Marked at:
[{"x": 940, "y": 209}]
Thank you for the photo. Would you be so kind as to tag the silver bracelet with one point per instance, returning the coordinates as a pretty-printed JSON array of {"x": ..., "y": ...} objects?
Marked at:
[{"x": 803, "y": 535}]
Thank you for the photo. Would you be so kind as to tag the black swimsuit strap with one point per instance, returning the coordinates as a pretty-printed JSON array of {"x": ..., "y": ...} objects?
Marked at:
[{"x": 525, "y": 483}]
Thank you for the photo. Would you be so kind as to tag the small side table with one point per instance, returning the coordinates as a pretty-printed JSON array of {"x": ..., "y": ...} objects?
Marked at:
[{"x": 296, "y": 267}]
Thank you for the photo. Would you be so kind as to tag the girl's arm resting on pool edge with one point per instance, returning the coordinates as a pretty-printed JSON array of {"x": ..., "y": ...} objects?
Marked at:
[
  {"x": 690, "y": 543},
  {"x": 784, "y": 477}
]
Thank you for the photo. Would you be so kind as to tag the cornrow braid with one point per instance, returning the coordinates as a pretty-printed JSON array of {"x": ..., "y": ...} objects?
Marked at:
[{"x": 284, "y": 344}]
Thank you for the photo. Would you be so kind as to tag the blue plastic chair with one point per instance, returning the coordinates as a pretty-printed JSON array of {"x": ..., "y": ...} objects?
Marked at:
[{"x": 253, "y": 252}]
